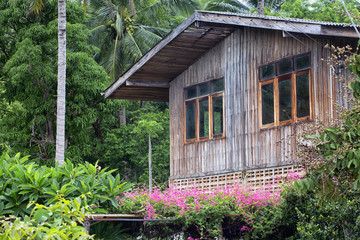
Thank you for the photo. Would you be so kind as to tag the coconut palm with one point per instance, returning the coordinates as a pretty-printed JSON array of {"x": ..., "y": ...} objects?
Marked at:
[
  {"x": 35, "y": 7},
  {"x": 61, "y": 92},
  {"x": 126, "y": 29}
]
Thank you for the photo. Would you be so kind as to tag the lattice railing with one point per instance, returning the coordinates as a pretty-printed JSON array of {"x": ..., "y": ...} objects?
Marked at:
[{"x": 265, "y": 178}]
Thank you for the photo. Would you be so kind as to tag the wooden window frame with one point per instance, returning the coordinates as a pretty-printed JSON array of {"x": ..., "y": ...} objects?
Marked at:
[
  {"x": 209, "y": 97},
  {"x": 275, "y": 80}
]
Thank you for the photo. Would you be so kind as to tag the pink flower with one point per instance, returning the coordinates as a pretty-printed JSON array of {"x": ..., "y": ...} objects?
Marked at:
[{"x": 244, "y": 228}]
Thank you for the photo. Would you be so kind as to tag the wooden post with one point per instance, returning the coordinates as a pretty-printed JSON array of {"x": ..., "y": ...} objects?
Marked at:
[{"x": 150, "y": 165}]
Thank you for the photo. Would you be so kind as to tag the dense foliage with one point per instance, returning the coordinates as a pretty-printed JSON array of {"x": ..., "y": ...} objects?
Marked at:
[
  {"x": 23, "y": 181},
  {"x": 199, "y": 214},
  {"x": 29, "y": 73},
  {"x": 332, "y": 11},
  {"x": 239, "y": 213},
  {"x": 232, "y": 212},
  {"x": 28, "y": 69},
  {"x": 61, "y": 220},
  {"x": 51, "y": 202}
]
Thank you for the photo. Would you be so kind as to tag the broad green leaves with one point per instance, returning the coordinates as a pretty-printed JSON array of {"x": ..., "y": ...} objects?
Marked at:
[
  {"x": 61, "y": 220},
  {"x": 26, "y": 181}
]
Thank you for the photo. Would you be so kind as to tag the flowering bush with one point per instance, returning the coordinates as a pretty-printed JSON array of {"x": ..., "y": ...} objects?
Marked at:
[
  {"x": 204, "y": 215},
  {"x": 200, "y": 210}
]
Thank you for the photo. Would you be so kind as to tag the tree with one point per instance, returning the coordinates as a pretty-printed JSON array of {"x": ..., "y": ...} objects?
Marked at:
[
  {"x": 149, "y": 126},
  {"x": 28, "y": 70},
  {"x": 127, "y": 147},
  {"x": 125, "y": 30},
  {"x": 61, "y": 84},
  {"x": 330, "y": 10}
]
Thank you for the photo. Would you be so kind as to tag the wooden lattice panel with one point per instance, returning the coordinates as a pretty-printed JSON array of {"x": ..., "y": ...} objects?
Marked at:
[{"x": 266, "y": 178}]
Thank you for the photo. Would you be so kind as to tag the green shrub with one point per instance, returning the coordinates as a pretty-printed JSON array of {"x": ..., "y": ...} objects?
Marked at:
[
  {"x": 330, "y": 220},
  {"x": 23, "y": 181},
  {"x": 61, "y": 220}
]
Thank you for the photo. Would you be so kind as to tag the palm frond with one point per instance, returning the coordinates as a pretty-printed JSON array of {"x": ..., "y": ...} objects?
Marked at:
[
  {"x": 35, "y": 6},
  {"x": 275, "y": 4},
  {"x": 131, "y": 47},
  {"x": 161, "y": 32},
  {"x": 98, "y": 35},
  {"x": 185, "y": 7},
  {"x": 118, "y": 25},
  {"x": 225, "y": 6},
  {"x": 145, "y": 39},
  {"x": 104, "y": 14},
  {"x": 110, "y": 56}
]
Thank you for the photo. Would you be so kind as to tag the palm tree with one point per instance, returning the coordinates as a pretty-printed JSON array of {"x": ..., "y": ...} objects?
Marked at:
[
  {"x": 124, "y": 30},
  {"x": 35, "y": 7},
  {"x": 61, "y": 92}
]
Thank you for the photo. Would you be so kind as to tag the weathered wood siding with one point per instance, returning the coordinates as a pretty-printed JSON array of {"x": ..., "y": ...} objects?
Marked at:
[{"x": 244, "y": 146}]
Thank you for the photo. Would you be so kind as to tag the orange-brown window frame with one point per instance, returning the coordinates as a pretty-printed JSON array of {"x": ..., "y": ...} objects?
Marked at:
[
  {"x": 275, "y": 80},
  {"x": 209, "y": 97}
]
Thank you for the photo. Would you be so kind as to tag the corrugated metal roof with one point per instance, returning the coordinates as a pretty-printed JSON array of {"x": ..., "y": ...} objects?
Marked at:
[
  {"x": 149, "y": 78},
  {"x": 279, "y": 18}
]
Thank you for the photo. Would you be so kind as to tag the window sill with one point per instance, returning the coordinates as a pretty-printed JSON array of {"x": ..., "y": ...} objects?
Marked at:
[
  {"x": 286, "y": 125},
  {"x": 205, "y": 140}
]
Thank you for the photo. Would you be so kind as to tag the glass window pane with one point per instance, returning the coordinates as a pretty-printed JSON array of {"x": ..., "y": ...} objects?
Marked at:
[
  {"x": 285, "y": 100},
  {"x": 218, "y": 115},
  {"x": 267, "y": 103},
  {"x": 303, "y": 96},
  {"x": 204, "y": 89},
  {"x": 267, "y": 71},
  {"x": 204, "y": 118},
  {"x": 302, "y": 62},
  {"x": 217, "y": 85},
  {"x": 190, "y": 92},
  {"x": 284, "y": 66},
  {"x": 190, "y": 120}
]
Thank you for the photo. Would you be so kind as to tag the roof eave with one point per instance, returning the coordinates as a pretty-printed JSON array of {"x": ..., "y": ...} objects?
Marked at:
[
  {"x": 160, "y": 45},
  {"x": 204, "y": 19}
]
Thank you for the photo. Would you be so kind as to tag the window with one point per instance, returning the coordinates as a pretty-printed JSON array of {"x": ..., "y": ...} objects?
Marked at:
[
  {"x": 285, "y": 89},
  {"x": 204, "y": 111}
]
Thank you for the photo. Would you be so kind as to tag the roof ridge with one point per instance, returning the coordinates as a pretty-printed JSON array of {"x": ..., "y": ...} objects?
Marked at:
[{"x": 269, "y": 17}]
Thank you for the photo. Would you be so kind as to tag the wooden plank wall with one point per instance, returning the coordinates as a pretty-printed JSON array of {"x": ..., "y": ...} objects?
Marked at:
[{"x": 245, "y": 146}]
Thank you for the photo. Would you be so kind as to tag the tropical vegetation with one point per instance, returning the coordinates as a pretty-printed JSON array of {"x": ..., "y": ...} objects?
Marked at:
[{"x": 41, "y": 200}]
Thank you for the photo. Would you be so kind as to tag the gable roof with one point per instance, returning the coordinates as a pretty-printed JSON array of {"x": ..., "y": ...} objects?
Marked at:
[{"x": 149, "y": 78}]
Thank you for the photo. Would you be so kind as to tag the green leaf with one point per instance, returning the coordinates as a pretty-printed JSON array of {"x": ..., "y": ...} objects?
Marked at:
[{"x": 41, "y": 215}]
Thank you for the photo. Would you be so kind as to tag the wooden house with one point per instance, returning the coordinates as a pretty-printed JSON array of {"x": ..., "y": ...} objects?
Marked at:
[{"x": 239, "y": 87}]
